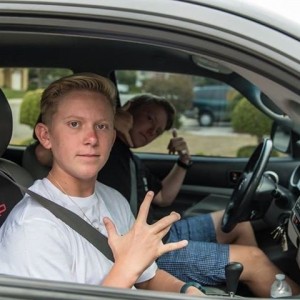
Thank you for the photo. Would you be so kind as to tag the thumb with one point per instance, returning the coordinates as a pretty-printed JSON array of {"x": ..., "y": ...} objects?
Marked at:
[
  {"x": 174, "y": 132},
  {"x": 128, "y": 139},
  {"x": 110, "y": 227}
]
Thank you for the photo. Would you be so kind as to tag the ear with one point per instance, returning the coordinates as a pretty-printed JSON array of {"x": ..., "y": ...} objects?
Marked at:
[{"x": 42, "y": 133}]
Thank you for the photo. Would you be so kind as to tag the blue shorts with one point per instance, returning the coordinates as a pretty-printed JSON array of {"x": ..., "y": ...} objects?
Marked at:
[{"x": 203, "y": 260}]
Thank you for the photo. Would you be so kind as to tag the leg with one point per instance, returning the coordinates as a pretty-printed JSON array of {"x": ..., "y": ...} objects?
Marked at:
[
  {"x": 259, "y": 272},
  {"x": 203, "y": 260},
  {"x": 242, "y": 234},
  {"x": 200, "y": 261}
]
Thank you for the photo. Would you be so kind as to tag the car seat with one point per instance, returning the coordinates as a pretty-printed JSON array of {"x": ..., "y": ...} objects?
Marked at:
[
  {"x": 10, "y": 195},
  {"x": 32, "y": 165}
]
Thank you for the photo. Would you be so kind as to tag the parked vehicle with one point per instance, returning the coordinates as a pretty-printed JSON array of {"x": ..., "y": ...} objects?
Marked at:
[
  {"x": 248, "y": 45},
  {"x": 211, "y": 104}
]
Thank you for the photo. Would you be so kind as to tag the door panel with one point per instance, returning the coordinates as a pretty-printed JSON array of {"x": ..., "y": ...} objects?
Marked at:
[{"x": 208, "y": 184}]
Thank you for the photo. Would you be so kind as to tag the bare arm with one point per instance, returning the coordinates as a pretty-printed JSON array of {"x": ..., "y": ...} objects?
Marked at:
[
  {"x": 163, "y": 281},
  {"x": 171, "y": 184}
]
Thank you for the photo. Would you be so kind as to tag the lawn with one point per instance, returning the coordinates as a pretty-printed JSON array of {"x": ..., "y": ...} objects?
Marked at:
[{"x": 204, "y": 144}]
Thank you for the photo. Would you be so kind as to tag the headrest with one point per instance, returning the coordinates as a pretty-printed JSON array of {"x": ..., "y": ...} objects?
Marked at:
[{"x": 6, "y": 123}]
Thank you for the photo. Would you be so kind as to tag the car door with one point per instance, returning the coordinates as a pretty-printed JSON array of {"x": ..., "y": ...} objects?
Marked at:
[{"x": 210, "y": 181}]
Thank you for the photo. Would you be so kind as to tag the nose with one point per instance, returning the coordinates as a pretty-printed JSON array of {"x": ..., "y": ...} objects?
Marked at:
[{"x": 91, "y": 136}]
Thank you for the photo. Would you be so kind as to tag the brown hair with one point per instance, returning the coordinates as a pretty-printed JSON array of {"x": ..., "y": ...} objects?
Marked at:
[
  {"x": 145, "y": 99},
  {"x": 83, "y": 81}
]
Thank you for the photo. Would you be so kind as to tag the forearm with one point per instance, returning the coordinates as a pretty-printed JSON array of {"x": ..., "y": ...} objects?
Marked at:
[
  {"x": 171, "y": 185},
  {"x": 162, "y": 281},
  {"x": 120, "y": 278},
  {"x": 165, "y": 282}
]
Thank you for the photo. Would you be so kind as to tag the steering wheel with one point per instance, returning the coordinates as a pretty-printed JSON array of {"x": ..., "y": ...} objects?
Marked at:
[{"x": 237, "y": 209}]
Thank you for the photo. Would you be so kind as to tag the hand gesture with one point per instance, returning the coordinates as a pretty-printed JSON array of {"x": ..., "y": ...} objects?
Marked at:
[
  {"x": 142, "y": 245},
  {"x": 179, "y": 145},
  {"x": 123, "y": 123}
]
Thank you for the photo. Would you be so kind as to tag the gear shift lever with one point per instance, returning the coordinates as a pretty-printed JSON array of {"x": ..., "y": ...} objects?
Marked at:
[{"x": 233, "y": 271}]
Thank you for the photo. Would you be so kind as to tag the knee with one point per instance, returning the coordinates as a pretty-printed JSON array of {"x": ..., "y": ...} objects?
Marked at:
[
  {"x": 244, "y": 227},
  {"x": 250, "y": 256},
  {"x": 256, "y": 255}
]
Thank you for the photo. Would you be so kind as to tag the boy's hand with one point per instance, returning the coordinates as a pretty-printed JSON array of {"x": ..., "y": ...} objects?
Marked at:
[
  {"x": 142, "y": 245},
  {"x": 179, "y": 145}
]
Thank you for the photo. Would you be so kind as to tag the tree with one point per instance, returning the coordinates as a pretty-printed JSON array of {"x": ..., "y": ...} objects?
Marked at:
[
  {"x": 176, "y": 88},
  {"x": 42, "y": 77},
  {"x": 127, "y": 77}
]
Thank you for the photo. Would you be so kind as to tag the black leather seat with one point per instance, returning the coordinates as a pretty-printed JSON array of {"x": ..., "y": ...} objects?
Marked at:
[{"x": 9, "y": 193}]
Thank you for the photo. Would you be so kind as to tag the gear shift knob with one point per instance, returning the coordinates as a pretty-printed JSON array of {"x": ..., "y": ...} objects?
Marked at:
[{"x": 233, "y": 271}]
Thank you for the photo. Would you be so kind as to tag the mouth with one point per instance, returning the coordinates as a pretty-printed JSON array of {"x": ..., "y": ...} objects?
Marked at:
[{"x": 89, "y": 155}]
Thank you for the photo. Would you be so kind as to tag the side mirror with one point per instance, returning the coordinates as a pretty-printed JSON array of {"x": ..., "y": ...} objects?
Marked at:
[{"x": 281, "y": 137}]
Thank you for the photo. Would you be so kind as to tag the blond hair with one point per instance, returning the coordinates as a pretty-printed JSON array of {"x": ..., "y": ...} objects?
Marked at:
[{"x": 83, "y": 81}]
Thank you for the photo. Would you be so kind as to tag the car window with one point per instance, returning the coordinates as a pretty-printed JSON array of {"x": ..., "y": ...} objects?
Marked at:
[
  {"x": 23, "y": 88},
  {"x": 214, "y": 118}
]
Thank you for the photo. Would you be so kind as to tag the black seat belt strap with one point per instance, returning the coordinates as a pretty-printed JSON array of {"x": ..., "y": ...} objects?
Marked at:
[
  {"x": 133, "y": 191},
  {"x": 96, "y": 238}
]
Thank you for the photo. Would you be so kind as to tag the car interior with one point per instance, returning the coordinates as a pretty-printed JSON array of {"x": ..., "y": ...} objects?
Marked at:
[{"x": 270, "y": 197}]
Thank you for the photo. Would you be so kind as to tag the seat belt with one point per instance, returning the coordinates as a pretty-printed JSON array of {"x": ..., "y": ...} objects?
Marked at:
[
  {"x": 133, "y": 192},
  {"x": 91, "y": 234}
]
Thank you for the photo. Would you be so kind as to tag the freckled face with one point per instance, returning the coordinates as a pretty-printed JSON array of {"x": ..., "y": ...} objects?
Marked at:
[
  {"x": 81, "y": 134},
  {"x": 149, "y": 122}
]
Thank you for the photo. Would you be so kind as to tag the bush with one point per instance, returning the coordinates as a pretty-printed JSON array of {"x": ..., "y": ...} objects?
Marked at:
[
  {"x": 30, "y": 107},
  {"x": 246, "y": 118}
]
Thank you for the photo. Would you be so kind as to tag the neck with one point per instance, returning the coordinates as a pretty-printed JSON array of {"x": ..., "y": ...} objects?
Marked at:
[{"x": 71, "y": 186}]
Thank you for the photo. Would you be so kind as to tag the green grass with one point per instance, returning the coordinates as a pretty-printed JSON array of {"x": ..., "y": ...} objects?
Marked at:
[{"x": 203, "y": 145}]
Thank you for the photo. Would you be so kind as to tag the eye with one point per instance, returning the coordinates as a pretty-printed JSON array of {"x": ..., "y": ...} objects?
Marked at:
[
  {"x": 150, "y": 118},
  {"x": 74, "y": 124},
  {"x": 102, "y": 126}
]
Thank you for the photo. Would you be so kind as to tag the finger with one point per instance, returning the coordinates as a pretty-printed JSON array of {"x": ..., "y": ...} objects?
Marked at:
[
  {"x": 165, "y": 222},
  {"x": 171, "y": 149},
  {"x": 128, "y": 139},
  {"x": 110, "y": 227},
  {"x": 144, "y": 208},
  {"x": 173, "y": 246},
  {"x": 174, "y": 132},
  {"x": 163, "y": 232},
  {"x": 170, "y": 146}
]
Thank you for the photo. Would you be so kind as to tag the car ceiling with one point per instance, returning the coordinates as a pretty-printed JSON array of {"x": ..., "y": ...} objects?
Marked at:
[{"x": 101, "y": 55}]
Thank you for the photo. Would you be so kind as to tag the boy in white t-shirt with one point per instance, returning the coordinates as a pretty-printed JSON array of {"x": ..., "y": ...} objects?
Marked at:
[{"x": 78, "y": 126}]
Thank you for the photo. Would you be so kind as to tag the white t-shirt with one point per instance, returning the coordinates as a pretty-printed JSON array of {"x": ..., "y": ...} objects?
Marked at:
[{"x": 34, "y": 243}]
